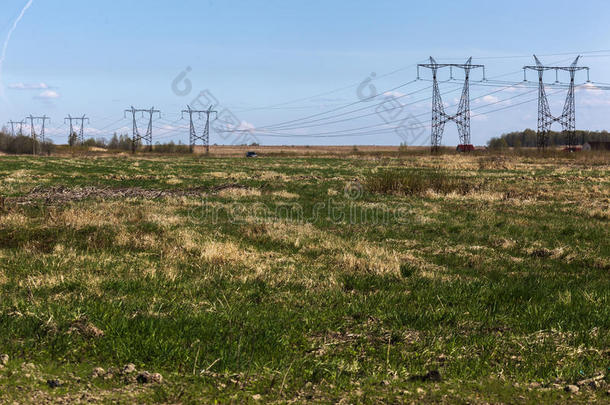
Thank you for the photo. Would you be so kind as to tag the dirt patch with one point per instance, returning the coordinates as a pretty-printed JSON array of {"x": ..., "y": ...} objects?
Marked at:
[
  {"x": 83, "y": 327},
  {"x": 61, "y": 195}
]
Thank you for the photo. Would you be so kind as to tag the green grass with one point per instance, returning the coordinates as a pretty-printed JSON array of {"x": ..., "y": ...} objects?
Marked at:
[{"x": 498, "y": 279}]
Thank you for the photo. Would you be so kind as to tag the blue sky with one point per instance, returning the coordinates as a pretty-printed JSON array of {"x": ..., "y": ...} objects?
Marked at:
[{"x": 99, "y": 58}]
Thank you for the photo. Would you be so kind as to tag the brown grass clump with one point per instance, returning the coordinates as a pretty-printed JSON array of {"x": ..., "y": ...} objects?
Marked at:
[
  {"x": 370, "y": 259},
  {"x": 495, "y": 163},
  {"x": 221, "y": 253},
  {"x": 239, "y": 193},
  {"x": 286, "y": 195},
  {"x": 13, "y": 219},
  {"x": 3, "y": 278},
  {"x": 417, "y": 183},
  {"x": 83, "y": 327},
  {"x": 598, "y": 213}
]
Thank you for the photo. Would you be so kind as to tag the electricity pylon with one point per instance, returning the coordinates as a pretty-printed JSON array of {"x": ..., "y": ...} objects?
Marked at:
[
  {"x": 205, "y": 136},
  {"x": 44, "y": 119},
  {"x": 567, "y": 119},
  {"x": 20, "y": 123},
  {"x": 81, "y": 133},
  {"x": 136, "y": 137},
  {"x": 439, "y": 116}
]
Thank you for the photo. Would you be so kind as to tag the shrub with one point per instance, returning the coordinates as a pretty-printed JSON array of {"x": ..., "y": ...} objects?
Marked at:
[{"x": 171, "y": 147}]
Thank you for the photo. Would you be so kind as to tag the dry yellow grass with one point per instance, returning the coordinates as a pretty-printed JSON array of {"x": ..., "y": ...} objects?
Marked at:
[
  {"x": 221, "y": 253},
  {"x": 368, "y": 259},
  {"x": 110, "y": 213},
  {"x": 285, "y": 195},
  {"x": 239, "y": 193}
]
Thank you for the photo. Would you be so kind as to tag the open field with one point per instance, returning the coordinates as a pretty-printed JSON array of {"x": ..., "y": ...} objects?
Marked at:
[
  {"x": 264, "y": 150},
  {"x": 316, "y": 151},
  {"x": 478, "y": 279}
]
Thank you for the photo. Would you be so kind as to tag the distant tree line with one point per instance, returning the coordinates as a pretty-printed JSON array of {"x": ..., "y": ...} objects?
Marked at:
[
  {"x": 117, "y": 142},
  {"x": 528, "y": 139},
  {"x": 124, "y": 142},
  {"x": 23, "y": 145}
]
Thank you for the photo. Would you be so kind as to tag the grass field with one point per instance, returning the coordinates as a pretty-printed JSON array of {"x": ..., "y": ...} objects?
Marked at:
[{"x": 294, "y": 279}]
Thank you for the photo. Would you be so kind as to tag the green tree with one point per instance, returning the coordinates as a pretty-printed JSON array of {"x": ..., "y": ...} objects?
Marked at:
[{"x": 73, "y": 139}]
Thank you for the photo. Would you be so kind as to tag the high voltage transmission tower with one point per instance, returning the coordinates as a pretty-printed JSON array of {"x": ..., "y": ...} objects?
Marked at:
[
  {"x": 81, "y": 134},
  {"x": 20, "y": 123},
  {"x": 205, "y": 136},
  {"x": 44, "y": 119},
  {"x": 567, "y": 119},
  {"x": 439, "y": 116},
  {"x": 136, "y": 137}
]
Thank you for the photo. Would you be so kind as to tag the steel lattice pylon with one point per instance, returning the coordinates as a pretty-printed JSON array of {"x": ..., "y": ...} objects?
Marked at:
[
  {"x": 20, "y": 123},
  {"x": 81, "y": 132},
  {"x": 567, "y": 119},
  {"x": 205, "y": 136},
  {"x": 439, "y": 116},
  {"x": 44, "y": 119},
  {"x": 136, "y": 137}
]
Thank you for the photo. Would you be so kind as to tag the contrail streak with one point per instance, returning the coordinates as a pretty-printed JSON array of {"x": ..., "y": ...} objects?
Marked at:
[{"x": 8, "y": 38}]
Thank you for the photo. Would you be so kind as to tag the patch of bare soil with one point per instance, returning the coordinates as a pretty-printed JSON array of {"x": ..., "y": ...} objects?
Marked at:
[{"x": 61, "y": 195}]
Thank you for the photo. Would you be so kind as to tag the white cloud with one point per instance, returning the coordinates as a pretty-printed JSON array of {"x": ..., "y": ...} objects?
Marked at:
[
  {"x": 48, "y": 95},
  {"x": 95, "y": 131},
  {"x": 517, "y": 87},
  {"x": 395, "y": 94},
  {"x": 590, "y": 88},
  {"x": 167, "y": 127},
  {"x": 591, "y": 95},
  {"x": 490, "y": 99},
  {"x": 245, "y": 126},
  {"x": 50, "y": 131},
  {"x": 108, "y": 131},
  {"x": 28, "y": 86}
]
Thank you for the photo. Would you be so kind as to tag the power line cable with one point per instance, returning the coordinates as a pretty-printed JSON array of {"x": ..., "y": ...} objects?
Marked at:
[
  {"x": 353, "y": 130},
  {"x": 401, "y": 106},
  {"x": 377, "y": 77},
  {"x": 285, "y": 124},
  {"x": 392, "y": 130},
  {"x": 339, "y": 108}
]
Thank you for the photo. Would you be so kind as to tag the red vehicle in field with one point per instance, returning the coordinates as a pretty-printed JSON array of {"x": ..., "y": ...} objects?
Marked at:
[{"x": 465, "y": 148}]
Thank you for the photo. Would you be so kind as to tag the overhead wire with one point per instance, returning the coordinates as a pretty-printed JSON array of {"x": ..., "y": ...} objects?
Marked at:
[
  {"x": 352, "y": 131},
  {"x": 334, "y": 91},
  {"x": 392, "y": 130},
  {"x": 305, "y": 119},
  {"x": 401, "y": 106},
  {"x": 325, "y": 117},
  {"x": 582, "y": 53},
  {"x": 339, "y": 108},
  {"x": 384, "y": 124},
  {"x": 308, "y": 123}
]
